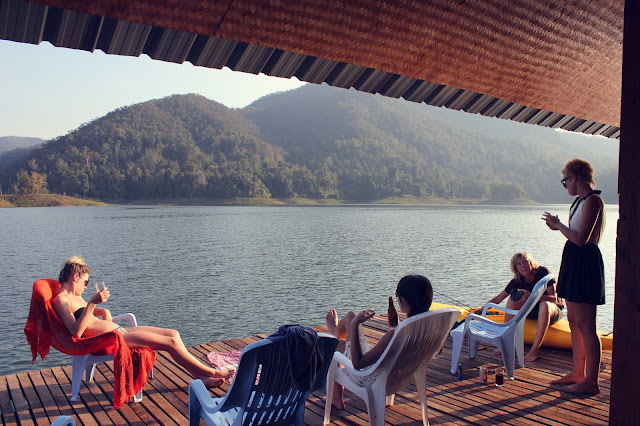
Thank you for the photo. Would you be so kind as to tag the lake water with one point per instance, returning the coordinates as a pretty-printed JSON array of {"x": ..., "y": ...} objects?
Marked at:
[{"x": 217, "y": 273}]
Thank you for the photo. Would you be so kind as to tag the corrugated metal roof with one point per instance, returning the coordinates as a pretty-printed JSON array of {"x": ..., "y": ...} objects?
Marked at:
[{"x": 27, "y": 22}]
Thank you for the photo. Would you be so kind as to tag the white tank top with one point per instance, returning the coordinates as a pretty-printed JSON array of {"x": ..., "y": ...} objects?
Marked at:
[{"x": 575, "y": 218}]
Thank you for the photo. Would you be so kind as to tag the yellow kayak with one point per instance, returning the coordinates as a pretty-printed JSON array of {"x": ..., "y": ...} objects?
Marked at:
[{"x": 558, "y": 335}]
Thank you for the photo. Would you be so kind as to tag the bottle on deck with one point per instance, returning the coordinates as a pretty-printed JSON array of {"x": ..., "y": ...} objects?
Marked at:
[{"x": 392, "y": 314}]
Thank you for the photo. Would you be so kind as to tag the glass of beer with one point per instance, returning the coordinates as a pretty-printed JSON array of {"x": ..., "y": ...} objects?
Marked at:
[{"x": 499, "y": 376}]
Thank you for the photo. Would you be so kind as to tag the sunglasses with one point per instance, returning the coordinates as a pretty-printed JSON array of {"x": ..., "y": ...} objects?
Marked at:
[
  {"x": 86, "y": 282},
  {"x": 564, "y": 181}
]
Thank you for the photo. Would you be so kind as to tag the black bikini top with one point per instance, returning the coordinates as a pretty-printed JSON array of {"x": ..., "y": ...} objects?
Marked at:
[{"x": 77, "y": 314}]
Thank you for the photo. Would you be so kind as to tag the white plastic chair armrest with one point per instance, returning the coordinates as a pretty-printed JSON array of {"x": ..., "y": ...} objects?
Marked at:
[
  {"x": 498, "y": 308},
  {"x": 342, "y": 359},
  {"x": 347, "y": 364},
  {"x": 129, "y": 317},
  {"x": 476, "y": 317}
]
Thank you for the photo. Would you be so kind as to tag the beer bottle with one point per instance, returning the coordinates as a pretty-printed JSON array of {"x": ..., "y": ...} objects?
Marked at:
[{"x": 392, "y": 314}]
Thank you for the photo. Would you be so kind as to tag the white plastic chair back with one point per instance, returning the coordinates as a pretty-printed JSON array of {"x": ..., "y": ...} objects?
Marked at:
[
  {"x": 508, "y": 337},
  {"x": 414, "y": 343},
  {"x": 536, "y": 293},
  {"x": 405, "y": 358}
]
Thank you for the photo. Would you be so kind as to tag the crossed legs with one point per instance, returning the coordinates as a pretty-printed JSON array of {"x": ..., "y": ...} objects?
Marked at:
[
  {"x": 164, "y": 339},
  {"x": 587, "y": 350}
]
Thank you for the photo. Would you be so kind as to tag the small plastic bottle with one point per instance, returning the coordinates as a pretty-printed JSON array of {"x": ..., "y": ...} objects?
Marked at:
[{"x": 459, "y": 371}]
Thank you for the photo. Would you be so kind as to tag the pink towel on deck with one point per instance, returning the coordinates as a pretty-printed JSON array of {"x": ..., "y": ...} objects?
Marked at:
[{"x": 224, "y": 359}]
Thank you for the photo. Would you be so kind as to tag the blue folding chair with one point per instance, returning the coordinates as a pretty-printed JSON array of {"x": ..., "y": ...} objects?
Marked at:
[{"x": 262, "y": 391}]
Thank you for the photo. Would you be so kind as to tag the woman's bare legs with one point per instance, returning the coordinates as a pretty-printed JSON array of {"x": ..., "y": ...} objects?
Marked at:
[
  {"x": 585, "y": 320},
  {"x": 338, "y": 329},
  {"x": 164, "y": 339},
  {"x": 544, "y": 320},
  {"x": 577, "y": 343}
]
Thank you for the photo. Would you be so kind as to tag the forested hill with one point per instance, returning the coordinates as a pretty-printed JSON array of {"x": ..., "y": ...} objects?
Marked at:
[
  {"x": 180, "y": 146},
  {"x": 315, "y": 142},
  {"x": 392, "y": 146}
]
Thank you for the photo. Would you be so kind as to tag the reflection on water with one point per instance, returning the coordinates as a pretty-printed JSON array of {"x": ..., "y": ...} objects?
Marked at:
[{"x": 217, "y": 273}]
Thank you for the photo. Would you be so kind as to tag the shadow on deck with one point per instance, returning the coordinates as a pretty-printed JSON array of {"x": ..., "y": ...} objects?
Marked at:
[{"x": 39, "y": 396}]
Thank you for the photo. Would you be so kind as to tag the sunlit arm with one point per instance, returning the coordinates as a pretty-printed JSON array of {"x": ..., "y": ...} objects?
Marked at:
[
  {"x": 358, "y": 359},
  {"x": 76, "y": 328}
]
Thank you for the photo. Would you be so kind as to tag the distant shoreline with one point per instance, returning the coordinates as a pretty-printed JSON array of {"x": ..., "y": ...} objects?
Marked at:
[
  {"x": 45, "y": 200},
  {"x": 56, "y": 200}
]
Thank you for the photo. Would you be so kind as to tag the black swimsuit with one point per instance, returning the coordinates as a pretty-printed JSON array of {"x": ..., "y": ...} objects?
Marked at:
[{"x": 77, "y": 314}]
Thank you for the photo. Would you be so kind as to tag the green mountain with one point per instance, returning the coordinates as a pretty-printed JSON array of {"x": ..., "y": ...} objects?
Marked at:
[
  {"x": 315, "y": 142},
  {"x": 396, "y": 147},
  {"x": 180, "y": 146}
]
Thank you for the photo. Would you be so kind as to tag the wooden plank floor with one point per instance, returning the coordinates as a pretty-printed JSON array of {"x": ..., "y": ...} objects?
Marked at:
[{"x": 39, "y": 396}]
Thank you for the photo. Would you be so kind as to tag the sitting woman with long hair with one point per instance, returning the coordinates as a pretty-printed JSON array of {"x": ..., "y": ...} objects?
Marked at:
[
  {"x": 526, "y": 274},
  {"x": 414, "y": 294},
  {"x": 81, "y": 319}
]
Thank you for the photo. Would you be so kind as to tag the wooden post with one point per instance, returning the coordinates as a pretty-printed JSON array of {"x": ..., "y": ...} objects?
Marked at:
[{"x": 625, "y": 375}]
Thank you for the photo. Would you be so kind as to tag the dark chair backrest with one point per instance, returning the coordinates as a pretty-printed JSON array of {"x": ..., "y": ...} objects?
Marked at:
[{"x": 263, "y": 388}]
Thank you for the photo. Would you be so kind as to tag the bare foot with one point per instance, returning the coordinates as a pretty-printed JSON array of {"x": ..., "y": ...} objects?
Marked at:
[
  {"x": 332, "y": 321},
  {"x": 212, "y": 382},
  {"x": 568, "y": 379},
  {"x": 583, "y": 387},
  {"x": 532, "y": 355},
  {"x": 225, "y": 373},
  {"x": 497, "y": 352}
]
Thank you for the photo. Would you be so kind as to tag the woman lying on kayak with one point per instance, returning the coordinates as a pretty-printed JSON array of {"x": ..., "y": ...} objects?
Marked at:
[
  {"x": 547, "y": 311},
  {"x": 81, "y": 319}
]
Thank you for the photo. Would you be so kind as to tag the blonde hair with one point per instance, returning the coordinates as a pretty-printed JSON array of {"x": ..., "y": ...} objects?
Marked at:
[
  {"x": 581, "y": 169},
  {"x": 522, "y": 255},
  {"x": 71, "y": 266}
]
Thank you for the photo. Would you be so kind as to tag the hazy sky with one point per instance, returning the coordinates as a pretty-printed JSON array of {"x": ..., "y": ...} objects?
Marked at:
[{"x": 47, "y": 91}]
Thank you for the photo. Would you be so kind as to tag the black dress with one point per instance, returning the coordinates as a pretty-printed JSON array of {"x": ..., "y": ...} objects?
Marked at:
[{"x": 581, "y": 277}]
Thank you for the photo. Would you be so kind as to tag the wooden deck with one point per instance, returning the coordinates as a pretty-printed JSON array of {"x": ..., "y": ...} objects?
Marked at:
[{"x": 39, "y": 396}]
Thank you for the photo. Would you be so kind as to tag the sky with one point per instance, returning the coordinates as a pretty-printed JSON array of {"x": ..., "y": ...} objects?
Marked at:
[{"x": 48, "y": 91}]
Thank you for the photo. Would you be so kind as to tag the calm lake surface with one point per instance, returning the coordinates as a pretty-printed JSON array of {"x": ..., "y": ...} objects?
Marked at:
[{"x": 217, "y": 273}]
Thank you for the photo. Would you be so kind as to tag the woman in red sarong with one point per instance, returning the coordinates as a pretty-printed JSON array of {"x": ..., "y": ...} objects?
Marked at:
[{"x": 81, "y": 319}]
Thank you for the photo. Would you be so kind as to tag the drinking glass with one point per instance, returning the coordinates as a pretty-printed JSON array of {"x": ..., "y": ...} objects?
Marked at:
[{"x": 499, "y": 376}]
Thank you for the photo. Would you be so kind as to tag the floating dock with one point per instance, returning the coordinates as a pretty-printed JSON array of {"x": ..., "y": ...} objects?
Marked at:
[{"x": 39, "y": 396}]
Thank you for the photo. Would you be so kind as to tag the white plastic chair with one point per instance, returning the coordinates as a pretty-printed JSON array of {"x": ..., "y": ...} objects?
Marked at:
[
  {"x": 262, "y": 391},
  {"x": 87, "y": 363},
  {"x": 508, "y": 336},
  {"x": 413, "y": 344}
]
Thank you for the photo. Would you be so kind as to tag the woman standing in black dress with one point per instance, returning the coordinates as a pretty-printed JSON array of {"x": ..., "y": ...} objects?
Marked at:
[{"x": 581, "y": 277}]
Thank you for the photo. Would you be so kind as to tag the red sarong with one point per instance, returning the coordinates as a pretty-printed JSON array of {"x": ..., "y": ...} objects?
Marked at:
[{"x": 45, "y": 329}]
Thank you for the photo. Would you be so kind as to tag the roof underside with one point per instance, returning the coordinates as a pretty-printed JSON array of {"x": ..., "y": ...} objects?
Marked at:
[{"x": 555, "y": 64}]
